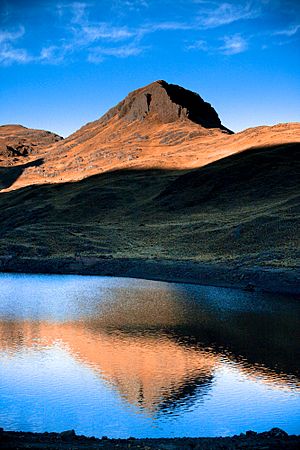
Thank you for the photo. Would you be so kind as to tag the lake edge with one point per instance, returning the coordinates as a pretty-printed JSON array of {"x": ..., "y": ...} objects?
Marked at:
[
  {"x": 269, "y": 279},
  {"x": 276, "y": 438}
]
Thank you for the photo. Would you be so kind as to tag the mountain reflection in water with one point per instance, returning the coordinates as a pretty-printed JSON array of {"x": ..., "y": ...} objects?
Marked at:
[
  {"x": 160, "y": 345},
  {"x": 147, "y": 370}
]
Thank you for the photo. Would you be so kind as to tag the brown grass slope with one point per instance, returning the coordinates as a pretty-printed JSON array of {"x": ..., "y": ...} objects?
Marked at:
[{"x": 242, "y": 208}]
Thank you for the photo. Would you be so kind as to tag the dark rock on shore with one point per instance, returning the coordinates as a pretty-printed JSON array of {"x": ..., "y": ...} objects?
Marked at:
[{"x": 274, "y": 439}]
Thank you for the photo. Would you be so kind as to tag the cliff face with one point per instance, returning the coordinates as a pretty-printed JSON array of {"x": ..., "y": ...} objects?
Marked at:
[{"x": 166, "y": 103}]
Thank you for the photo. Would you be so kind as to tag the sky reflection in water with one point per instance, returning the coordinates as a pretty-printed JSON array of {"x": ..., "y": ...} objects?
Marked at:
[{"x": 123, "y": 357}]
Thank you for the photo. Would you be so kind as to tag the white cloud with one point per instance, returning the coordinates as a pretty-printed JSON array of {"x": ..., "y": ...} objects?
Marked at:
[
  {"x": 92, "y": 33},
  {"x": 163, "y": 26},
  {"x": 131, "y": 5},
  {"x": 85, "y": 34},
  {"x": 82, "y": 35},
  {"x": 54, "y": 54},
  {"x": 10, "y": 36},
  {"x": 77, "y": 10},
  {"x": 290, "y": 31},
  {"x": 233, "y": 45},
  {"x": 198, "y": 45},
  {"x": 83, "y": 31},
  {"x": 216, "y": 14},
  {"x": 10, "y": 55},
  {"x": 98, "y": 54}
]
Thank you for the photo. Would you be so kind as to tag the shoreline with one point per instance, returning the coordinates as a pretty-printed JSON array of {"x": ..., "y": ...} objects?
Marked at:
[
  {"x": 275, "y": 280},
  {"x": 273, "y": 439}
]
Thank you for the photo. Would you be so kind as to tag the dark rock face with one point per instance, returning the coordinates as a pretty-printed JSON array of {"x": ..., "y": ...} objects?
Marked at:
[{"x": 166, "y": 103}]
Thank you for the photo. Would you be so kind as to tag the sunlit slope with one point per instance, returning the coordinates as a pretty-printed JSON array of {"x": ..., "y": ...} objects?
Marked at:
[
  {"x": 18, "y": 143},
  {"x": 244, "y": 207},
  {"x": 160, "y": 126}
]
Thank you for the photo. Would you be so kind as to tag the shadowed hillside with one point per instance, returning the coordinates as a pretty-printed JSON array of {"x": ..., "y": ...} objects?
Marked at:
[
  {"x": 241, "y": 208},
  {"x": 160, "y": 181}
]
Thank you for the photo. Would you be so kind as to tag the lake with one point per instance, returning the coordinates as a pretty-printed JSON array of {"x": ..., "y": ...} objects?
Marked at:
[{"x": 125, "y": 357}]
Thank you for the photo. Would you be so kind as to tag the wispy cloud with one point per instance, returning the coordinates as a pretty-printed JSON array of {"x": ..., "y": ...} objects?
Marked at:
[
  {"x": 79, "y": 32},
  {"x": 10, "y": 55},
  {"x": 98, "y": 54},
  {"x": 213, "y": 14},
  {"x": 92, "y": 33},
  {"x": 77, "y": 10},
  {"x": 233, "y": 45},
  {"x": 129, "y": 5},
  {"x": 198, "y": 45},
  {"x": 290, "y": 31},
  {"x": 11, "y": 35},
  {"x": 85, "y": 33},
  {"x": 164, "y": 26},
  {"x": 54, "y": 54}
]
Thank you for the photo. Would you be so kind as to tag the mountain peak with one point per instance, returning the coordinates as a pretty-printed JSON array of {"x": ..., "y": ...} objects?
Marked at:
[{"x": 165, "y": 103}]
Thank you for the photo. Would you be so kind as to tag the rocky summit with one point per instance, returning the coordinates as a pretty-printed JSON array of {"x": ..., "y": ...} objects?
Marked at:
[{"x": 166, "y": 103}]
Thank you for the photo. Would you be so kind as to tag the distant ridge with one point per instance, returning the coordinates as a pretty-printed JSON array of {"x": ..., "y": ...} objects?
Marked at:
[{"x": 17, "y": 141}]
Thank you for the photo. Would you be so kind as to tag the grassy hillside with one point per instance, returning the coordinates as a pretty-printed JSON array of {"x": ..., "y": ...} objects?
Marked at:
[{"x": 241, "y": 208}]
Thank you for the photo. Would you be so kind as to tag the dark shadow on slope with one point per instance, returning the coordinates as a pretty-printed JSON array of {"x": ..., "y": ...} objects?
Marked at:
[
  {"x": 8, "y": 175},
  {"x": 256, "y": 173},
  {"x": 248, "y": 179}
]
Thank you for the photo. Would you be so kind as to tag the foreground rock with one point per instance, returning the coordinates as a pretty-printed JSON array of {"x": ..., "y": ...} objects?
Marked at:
[{"x": 273, "y": 439}]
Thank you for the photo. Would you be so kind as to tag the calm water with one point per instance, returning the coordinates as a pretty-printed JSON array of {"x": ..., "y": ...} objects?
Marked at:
[{"x": 122, "y": 357}]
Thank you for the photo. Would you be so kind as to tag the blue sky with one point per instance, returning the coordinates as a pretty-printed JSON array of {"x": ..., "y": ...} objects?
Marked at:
[{"x": 63, "y": 63}]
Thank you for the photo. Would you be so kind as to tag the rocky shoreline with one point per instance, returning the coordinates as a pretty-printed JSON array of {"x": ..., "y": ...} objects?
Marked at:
[
  {"x": 270, "y": 279},
  {"x": 273, "y": 439}
]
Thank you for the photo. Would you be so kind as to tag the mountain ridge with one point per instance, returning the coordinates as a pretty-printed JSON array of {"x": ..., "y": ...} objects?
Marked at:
[
  {"x": 176, "y": 194},
  {"x": 134, "y": 134}
]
